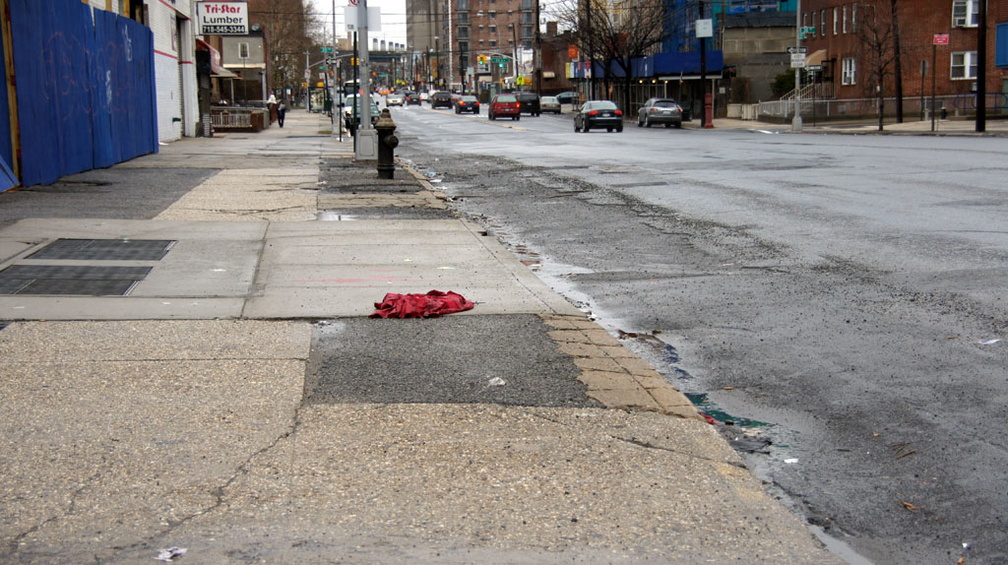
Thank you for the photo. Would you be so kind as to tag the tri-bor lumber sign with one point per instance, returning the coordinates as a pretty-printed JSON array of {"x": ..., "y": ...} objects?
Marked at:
[{"x": 222, "y": 18}]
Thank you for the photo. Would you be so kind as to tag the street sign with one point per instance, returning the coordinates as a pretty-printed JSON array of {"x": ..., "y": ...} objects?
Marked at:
[
  {"x": 704, "y": 28},
  {"x": 326, "y": 49},
  {"x": 797, "y": 60},
  {"x": 808, "y": 31},
  {"x": 498, "y": 60},
  {"x": 941, "y": 39},
  {"x": 813, "y": 68},
  {"x": 795, "y": 50}
]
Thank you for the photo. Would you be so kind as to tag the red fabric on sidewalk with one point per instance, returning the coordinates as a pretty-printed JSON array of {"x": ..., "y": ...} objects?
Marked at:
[{"x": 431, "y": 305}]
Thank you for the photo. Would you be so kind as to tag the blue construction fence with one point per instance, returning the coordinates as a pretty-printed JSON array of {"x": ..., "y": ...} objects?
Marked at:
[
  {"x": 661, "y": 64},
  {"x": 85, "y": 91}
]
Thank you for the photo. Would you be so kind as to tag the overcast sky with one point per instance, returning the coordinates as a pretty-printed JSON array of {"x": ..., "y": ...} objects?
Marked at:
[{"x": 393, "y": 26}]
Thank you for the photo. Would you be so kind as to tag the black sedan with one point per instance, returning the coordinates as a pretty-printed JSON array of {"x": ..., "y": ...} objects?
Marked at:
[
  {"x": 467, "y": 103},
  {"x": 598, "y": 114}
]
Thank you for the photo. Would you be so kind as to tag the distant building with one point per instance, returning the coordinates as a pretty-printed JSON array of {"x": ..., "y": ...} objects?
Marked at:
[{"x": 854, "y": 44}]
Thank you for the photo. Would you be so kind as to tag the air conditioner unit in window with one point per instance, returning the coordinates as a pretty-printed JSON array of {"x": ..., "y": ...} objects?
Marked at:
[{"x": 958, "y": 22}]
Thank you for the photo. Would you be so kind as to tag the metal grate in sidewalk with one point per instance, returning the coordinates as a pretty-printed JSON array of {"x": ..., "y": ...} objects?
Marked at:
[
  {"x": 105, "y": 250},
  {"x": 70, "y": 280}
]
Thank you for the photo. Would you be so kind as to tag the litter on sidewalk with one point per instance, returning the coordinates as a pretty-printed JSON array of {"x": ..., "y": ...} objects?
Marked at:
[{"x": 431, "y": 305}]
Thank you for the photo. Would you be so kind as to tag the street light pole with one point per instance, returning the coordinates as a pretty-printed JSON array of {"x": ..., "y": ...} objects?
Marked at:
[
  {"x": 796, "y": 123},
  {"x": 981, "y": 89}
]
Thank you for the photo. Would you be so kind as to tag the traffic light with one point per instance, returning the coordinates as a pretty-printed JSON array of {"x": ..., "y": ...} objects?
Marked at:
[{"x": 482, "y": 59}]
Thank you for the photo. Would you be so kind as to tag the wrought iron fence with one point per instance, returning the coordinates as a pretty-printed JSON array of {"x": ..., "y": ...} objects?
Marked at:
[{"x": 865, "y": 108}]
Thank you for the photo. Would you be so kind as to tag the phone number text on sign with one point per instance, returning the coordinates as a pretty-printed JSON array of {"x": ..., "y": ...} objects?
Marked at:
[{"x": 225, "y": 30}]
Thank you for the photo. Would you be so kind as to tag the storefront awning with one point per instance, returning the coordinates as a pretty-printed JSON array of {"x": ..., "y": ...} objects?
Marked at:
[
  {"x": 216, "y": 70},
  {"x": 816, "y": 58}
]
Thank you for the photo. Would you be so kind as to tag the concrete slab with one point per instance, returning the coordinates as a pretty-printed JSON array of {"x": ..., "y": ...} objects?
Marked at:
[{"x": 270, "y": 270}]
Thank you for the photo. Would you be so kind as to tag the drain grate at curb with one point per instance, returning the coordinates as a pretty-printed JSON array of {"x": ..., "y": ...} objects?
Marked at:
[{"x": 71, "y": 280}]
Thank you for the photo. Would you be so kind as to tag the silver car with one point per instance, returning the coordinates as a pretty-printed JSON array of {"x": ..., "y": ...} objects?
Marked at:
[
  {"x": 660, "y": 111},
  {"x": 549, "y": 104}
]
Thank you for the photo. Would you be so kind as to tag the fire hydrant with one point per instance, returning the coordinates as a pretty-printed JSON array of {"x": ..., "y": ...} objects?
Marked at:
[{"x": 387, "y": 142}]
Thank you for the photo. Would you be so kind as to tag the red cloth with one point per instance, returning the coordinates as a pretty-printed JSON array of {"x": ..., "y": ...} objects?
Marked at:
[{"x": 430, "y": 305}]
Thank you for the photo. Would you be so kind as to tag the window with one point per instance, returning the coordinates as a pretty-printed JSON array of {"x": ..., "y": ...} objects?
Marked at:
[
  {"x": 493, "y": 29},
  {"x": 243, "y": 50},
  {"x": 845, "y": 19},
  {"x": 822, "y": 23},
  {"x": 526, "y": 32},
  {"x": 493, "y": 43},
  {"x": 853, "y": 16},
  {"x": 463, "y": 18},
  {"x": 493, "y": 14},
  {"x": 464, "y": 49},
  {"x": 463, "y": 4},
  {"x": 848, "y": 72},
  {"x": 964, "y": 65},
  {"x": 836, "y": 20},
  {"x": 965, "y": 13},
  {"x": 463, "y": 32},
  {"x": 804, "y": 19}
]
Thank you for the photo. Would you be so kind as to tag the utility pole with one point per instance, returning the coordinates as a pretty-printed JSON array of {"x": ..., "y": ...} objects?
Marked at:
[
  {"x": 981, "y": 89},
  {"x": 796, "y": 123},
  {"x": 589, "y": 40},
  {"x": 367, "y": 137},
  {"x": 336, "y": 94},
  {"x": 537, "y": 57}
]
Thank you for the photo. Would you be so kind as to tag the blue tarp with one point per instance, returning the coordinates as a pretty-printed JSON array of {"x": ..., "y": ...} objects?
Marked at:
[
  {"x": 1001, "y": 46},
  {"x": 662, "y": 64},
  {"x": 85, "y": 88},
  {"x": 7, "y": 178},
  {"x": 687, "y": 63}
]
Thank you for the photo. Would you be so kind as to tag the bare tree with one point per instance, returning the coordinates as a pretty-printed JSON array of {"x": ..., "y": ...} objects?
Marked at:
[
  {"x": 875, "y": 30},
  {"x": 288, "y": 25},
  {"x": 615, "y": 33},
  {"x": 897, "y": 59}
]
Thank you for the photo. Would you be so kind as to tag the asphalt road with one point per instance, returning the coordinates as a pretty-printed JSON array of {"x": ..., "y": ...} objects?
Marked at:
[{"x": 837, "y": 298}]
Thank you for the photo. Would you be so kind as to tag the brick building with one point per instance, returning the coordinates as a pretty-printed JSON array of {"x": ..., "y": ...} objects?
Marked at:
[{"x": 855, "y": 44}]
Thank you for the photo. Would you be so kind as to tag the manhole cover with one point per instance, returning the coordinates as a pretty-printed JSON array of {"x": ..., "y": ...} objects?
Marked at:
[
  {"x": 70, "y": 280},
  {"x": 105, "y": 250}
]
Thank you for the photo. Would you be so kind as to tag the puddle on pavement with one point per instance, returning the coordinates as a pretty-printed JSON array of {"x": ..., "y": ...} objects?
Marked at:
[
  {"x": 704, "y": 404},
  {"x": 335, "y": 216}
]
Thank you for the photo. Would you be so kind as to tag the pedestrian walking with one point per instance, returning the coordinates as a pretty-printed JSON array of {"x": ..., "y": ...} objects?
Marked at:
[{"x": 281, "y": 111}]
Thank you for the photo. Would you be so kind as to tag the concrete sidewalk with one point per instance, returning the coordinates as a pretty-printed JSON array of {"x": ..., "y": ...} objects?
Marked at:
[
  {"x": 234, "y": 400},
  {"x": 948, "y": 127}
]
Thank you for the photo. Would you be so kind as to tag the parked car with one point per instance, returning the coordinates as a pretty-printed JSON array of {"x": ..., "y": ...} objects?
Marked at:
[
  {"x": 598, "y": 114},
  {"x": 529, "y": 103},
  {"x": 413, "y": 99},
  {"x": 549, "y": 104},
  {"x": 352, "y": 112},
  {"x": 467, "y": 103},
  {"x": 660, "y": 111},
  {"x": 504, "y": 105},
  {"x": 394, "y": 99},
  {"x": 568, "y": 97},
  {"x": 441, "y": 98}
]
